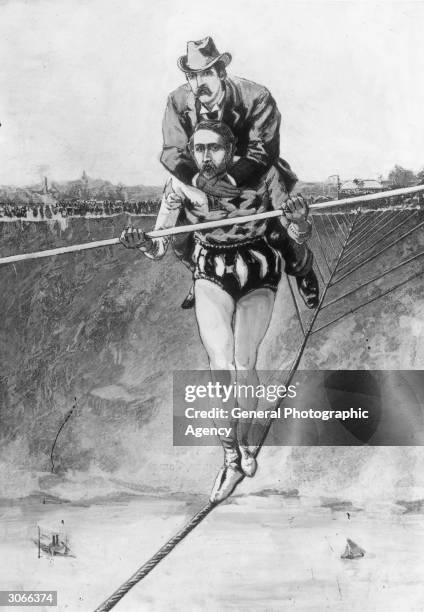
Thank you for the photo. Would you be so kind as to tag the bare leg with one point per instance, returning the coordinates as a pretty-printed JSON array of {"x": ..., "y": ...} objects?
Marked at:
[
  {"x": 252, "y": 318},
  {"x": 214, "y": 313}
]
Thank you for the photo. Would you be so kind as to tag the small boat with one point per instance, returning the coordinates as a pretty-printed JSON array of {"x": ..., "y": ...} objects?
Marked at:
[
  {"x": 352, "y": 551},
  {"x": 53, "y": 545}
]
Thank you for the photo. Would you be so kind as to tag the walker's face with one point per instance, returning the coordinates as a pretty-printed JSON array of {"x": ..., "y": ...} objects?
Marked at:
[
  {"x": 210, "y": 153},
  {"x": 206, "y": 85}
]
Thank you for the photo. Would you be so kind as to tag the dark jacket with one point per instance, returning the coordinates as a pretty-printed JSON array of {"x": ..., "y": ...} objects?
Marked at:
[{"x": 251, "y": 113}]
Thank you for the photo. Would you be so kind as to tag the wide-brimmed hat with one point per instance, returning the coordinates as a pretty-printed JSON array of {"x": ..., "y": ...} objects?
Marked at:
[{"x": 201, "y": 55}]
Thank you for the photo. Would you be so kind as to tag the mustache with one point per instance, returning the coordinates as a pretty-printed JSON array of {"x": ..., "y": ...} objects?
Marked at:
[
  {"x": 203, "y": 90},
  {"x": 208, "y": 165}
]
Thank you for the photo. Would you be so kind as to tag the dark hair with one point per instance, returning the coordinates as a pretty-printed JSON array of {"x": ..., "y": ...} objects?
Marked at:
[
  {"x": 220, "y": 69},
  {"x": 219, "y": 127}
]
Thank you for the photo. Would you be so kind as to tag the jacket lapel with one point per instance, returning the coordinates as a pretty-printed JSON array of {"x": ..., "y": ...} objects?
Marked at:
[
  {"x": 232, "y": 106},
  {"x": 193, "y": 107}
]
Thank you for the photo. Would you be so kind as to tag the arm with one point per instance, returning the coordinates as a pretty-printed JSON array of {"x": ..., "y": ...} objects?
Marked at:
[
  {"x": 169, "y": 210},
  {"x": 264, "y": 141},
  {"x": 296, "y": 210},
  {"x": 155, "y": 248},
  {"x": 175, "y": 193},
  {"x": 175, "y": 155}
]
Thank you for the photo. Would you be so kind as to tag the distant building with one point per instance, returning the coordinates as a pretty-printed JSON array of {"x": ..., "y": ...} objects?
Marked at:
[
  {"x": 84, "y": 188},
  {"x": 372, "y": 185},
  {"x": 360, "y": 187},
  {"x": 47, "y": 195},
  {"x": 349, "y": 186}
]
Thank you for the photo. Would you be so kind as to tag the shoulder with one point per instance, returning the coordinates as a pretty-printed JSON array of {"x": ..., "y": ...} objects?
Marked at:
[
  {"x": 249, "y": 89},
  {"x": 179, "y": 96}
]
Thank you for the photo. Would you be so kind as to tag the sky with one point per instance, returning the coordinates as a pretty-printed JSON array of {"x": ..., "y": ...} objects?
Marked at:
[{"x": 84, "y": 83}]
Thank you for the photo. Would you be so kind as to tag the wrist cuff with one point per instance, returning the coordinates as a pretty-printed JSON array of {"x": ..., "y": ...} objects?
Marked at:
[{"x": 298, "y": 236}]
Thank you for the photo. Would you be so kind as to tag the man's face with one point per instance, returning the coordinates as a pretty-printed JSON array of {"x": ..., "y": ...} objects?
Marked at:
[
  {"x": 206, "y": 85},
  {"x": 210, "y": 153}
]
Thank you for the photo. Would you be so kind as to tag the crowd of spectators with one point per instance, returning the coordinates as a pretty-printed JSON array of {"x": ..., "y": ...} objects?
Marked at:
[
  {"x": 76, "y": 208},
  {"x": 105, "y": 208}
]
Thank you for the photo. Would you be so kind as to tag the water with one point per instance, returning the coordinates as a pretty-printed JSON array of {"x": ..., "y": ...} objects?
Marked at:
[{"x": 256, "y": 553}]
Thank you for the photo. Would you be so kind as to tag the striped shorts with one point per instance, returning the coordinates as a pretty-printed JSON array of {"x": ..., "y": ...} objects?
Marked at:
[{"x": 238, "y": 269}]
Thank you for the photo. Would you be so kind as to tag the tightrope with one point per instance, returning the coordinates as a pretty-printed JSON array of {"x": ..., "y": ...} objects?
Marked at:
[{"x": 145, "y": 569}]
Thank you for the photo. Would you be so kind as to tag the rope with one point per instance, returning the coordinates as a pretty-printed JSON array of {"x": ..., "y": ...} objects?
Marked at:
[
  {"x": 371, "y": 197},
  {"x": 59, "y": 251},
  {"x": 307, "y": 335},
  {"x": 145, "y": 569},
  {"x": 181, "y": 229}
]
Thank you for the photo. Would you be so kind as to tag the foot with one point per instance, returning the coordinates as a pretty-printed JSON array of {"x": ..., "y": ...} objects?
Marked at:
[
  {"x": 309, "y": 289},
  {"x": 228, "y": 477},
  {"x": 188, "y": 301},
  {"x": 248, "y": 462}
]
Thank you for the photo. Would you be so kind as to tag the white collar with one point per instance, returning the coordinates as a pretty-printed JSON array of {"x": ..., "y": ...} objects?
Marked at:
[{"x": 216, "y": 107}]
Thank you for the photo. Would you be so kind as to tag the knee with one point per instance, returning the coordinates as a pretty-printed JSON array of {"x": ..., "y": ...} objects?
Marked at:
[
  {"x": 245, "y": 361},
  {"x": 222, "y": 362},
  {"x": 221, "y": 356}
]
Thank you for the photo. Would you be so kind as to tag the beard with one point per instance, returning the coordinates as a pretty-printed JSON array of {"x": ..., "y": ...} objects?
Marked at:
[{"x": 208, "y": 169}]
